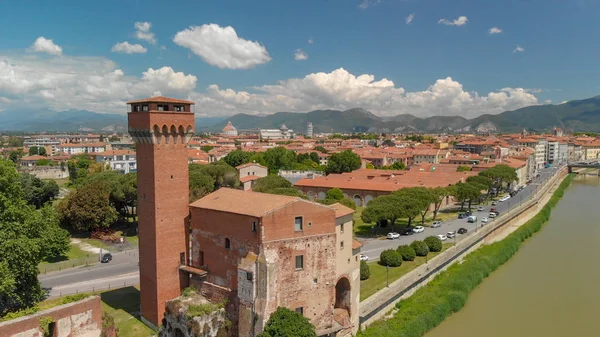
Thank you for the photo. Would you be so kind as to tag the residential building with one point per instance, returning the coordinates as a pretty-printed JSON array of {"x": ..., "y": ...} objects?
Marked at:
[
  {"x": 540, "y": 154},
  {"x": 123, "y": 161},
  {"x": 74, "y": 149},
  {"x": 51, "y": 145},
  {"x": 249, "y": 173}
]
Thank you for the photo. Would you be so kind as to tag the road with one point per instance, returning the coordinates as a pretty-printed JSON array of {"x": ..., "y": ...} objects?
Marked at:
[
  {"x": 373, "y": 247},
  {"x": 123, "y": 269}
]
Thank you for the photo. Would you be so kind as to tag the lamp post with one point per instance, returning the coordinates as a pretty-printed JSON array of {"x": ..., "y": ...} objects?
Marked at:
[{"x": 387, "y": 276}]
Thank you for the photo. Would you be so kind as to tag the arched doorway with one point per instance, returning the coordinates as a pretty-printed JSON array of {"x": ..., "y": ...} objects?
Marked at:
[
  {"x": 321, "y": 195},
  {"x": 343, "y": 302},
  {"x": 311, "y": 195},
  {"x": 368, "y": 198},
  {"x": 357, "y": 200}
]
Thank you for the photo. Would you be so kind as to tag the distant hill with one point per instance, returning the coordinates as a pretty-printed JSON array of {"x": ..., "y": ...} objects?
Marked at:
[{"x": 579, "y": 115}]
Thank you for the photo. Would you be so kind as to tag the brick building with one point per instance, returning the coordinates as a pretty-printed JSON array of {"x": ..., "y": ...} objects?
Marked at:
[{"x": 257, "y": 251}]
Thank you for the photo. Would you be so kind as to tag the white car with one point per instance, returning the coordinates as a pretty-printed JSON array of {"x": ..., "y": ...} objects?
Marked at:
[
  {"x": 442, "y": 237},
  {"x": 393, "y": 235},
  {"x": 480, "y": 209},
  {"x": 494, "y": 203},
  {"x": 492, "y": 215},
  {"x": 484, "y": 220},
  {"x": 436, "y": 224},
  {"x": 450, "y": 235},
  {"x": 505, "y": 198},
  {"x": 418, "y": 229},
  {"x": 364, "y": 257}
]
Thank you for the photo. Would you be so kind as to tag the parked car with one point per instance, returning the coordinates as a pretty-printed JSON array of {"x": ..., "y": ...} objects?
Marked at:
[
  {"x": 436, "y": 224},
  {"x": 472, "y": 219},
  {"x": 505, "y": 198},
  {"x": 106, "y": 258},
  {"x": 450, "y": 235},
  {"x": 462, "y": 215},
  {"x": 480, "y": 209},
  {"x": 442, "y": 237},
  {"x": 406, "y": 231},
  {"x": 469, "y": 212},
  {"x": 393, "y": 235},
  {"x": 484, "y": 220},
  {"x": 364, "y": 257},
  {"x": 418, "y": 229},
  {"x": 492, "y": 215},
  {"x": 462, "y": 231},
  {"x": 494, "y": 203},
  {"x": 493, "y": 209}
]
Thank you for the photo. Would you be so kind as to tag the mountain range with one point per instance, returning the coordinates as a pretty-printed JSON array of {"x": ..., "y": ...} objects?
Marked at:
[{"x": 578, "y": 115}]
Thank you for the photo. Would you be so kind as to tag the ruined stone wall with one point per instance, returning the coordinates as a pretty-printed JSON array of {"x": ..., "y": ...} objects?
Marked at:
[
  {"x": 78, "y": 319},
  {"x": 178, "y": 322},
  {"x": 47, "y": 172}
]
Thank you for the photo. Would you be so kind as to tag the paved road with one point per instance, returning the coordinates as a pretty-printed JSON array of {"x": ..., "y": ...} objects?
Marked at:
[
  {"x": 373, "y": 247},
  {"x": 123, "y": 268}
]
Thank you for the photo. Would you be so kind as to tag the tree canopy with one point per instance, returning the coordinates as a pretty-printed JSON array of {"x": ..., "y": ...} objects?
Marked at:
[
  {"x": 37, "y": 150},
  {"x": 88, "y": 208},
  {"x": 36, "y": 191},
  {"x": 27, "y": 237},
  {"x": 346, "y": 161},
  {"x": 287, "y": 323},
  {"x": 270, "y": 182}
]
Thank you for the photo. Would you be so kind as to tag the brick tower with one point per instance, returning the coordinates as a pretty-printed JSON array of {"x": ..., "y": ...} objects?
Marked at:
[{"x": 161, "y": 128}]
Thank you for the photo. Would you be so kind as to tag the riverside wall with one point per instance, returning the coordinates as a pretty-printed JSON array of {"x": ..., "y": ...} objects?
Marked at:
[{"x": 379, "y": 304}]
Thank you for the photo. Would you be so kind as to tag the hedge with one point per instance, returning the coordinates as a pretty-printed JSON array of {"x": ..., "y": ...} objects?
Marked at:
[
  {"x": 365, "y": 271},
  {"x": 390, "y": 257},
  {"x": 421, "y": 249},
  {"x": 407, "y": 252},
  {"x": 448, "y": 292},
  {"x": 434, "y": 243}
]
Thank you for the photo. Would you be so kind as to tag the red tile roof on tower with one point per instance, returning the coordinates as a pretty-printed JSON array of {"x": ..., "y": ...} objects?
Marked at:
[
  {"x": 160, "y": 99},
  {"x": 341, "y": 210}
]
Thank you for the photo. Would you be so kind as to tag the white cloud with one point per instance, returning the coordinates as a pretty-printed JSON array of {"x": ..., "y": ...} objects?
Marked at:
[
  {"x": 300, "y": 55},
  {"x": 142, "y": 32},
  {"x": 310, "y": 41},
  {"x": 410, "y": 18},
  {"x": 97, "y": 84},
  {"x": 460, "y": 21},
  {"x": 43, "y": 45},
  {"x": 548, "y": 101},
  {"x": 5, "y": 100},
  {"x": 163, "y": 47},
  {"x": 495, "y": 30},
  {"x": 366, "y": 3},
  {"x": 222, "y": 47},
  {"x": 518, "y": 49},
  {"x": 128, "y": 48}
]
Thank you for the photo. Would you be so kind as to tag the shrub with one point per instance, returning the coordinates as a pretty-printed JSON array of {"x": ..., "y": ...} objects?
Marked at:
[
  {"x": 448, "y": 292},
  {"x": 407, "y": 252},
  {"x": 365, "y": 271},
  {"x": 420, "y": 247},
  {"x": 284, "y": 322},
  {"x": 390, "y": 257},
  {"x": 434, "y": 243}
]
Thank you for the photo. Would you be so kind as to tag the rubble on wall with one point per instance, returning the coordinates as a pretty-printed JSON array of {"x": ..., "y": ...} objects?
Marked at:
[{"x": 194, "y": 316}]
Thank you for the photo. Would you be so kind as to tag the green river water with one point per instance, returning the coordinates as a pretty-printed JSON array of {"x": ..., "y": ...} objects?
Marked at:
[{"x": 551, "y": 287}]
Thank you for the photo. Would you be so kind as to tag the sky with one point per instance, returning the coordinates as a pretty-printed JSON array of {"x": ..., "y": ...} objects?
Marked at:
[{"x": 423, "y": 57}]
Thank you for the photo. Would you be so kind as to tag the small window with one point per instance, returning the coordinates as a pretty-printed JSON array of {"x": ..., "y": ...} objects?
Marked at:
[
  {"x": 300, "y": 310},
  {"x": 341, "y": 245},
  {"x": 342, "y": 228},
  {"x": 309, "y": 224},
  {"x": 298, "y": 224},
  {"x": 144, "y": 108},
  {"x": 299, "y": 262},
  {"x": 254, "y": 226},
  {"x": 249, "y": 276},
  {"x": 182, "y": 258},
  {"x": 227, "y": 243}
]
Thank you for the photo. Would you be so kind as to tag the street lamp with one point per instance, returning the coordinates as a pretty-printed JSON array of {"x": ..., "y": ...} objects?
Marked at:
[{"x": 387, "y": 279}]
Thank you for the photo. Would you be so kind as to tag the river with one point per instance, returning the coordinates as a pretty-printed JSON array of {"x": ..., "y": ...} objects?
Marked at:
[{"x": 551, "y": 287}]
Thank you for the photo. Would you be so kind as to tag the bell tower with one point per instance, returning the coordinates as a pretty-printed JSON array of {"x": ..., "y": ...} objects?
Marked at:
[{"x": 161, "y": 127}]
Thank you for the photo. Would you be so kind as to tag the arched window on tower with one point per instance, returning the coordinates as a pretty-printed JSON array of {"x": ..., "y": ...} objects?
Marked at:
[{"x": 227, "y": 243}]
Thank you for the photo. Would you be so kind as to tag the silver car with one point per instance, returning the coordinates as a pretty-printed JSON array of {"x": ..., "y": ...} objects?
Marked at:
[{"x": 436, "y": 224}]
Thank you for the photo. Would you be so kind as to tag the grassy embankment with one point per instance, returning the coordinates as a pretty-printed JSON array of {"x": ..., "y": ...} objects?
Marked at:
[
  {"x": 448, "y": 292},
  {"x": 378, "y": 279}
]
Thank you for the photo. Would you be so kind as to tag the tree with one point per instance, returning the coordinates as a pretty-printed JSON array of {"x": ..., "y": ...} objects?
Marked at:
[
  {"x": 36, "y": 191},
  {"x": 407, "y": 252},
  {"x": 388, "y": 142},
  {"x": 114, "y": 139},
  {"x": 466, "y": 192},
  {"x": 289, "y": 191},
  {"x": 200, "y": 184},
  {"x": 335, "y": 194},
  {"x": 16, "y": 155},
  {"x": 370, "y": 166},
  {"x": 346, "y": 161},
  {"x": 420, "y": 247},
  {"x": 223, "y": 174},
  {"x": 287, "y": 323},
  {"x": 463, "y": 168},
  {"x": 433, "y": 243},
  {"x": 438, "y": 194},
  {"x": 398, "y": 166},
  {"x": 348, "y": 203},
  {"x": 270, "y": 182},
  {"x": 14, "y": 141},
  {"x": 279, "y": 158},
  {"x": 483, "y": 181},
  {"x": 421, "y": 196},
  {"x": 365, "y": 271},
  {"x": 27, "y": 237},
  {"x": 88, "y": 208},
  {"x": 315, "y": 157},
  {"x": 122, "y": 189},
  {"x": 320, "y": 149},
  {"x": 390, "y": 258},
  {"x": 236, "y": 158},
  {"x": 206, "y": 148},
  {"x": 499, "y": 175},
  {"x": 37, "y": 150}
]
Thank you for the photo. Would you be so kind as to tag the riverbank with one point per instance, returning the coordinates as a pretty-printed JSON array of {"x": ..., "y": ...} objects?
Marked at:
[{"x": 448, "y": 292}]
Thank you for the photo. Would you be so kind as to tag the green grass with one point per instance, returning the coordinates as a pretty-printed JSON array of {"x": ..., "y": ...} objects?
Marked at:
[
  {"x": 377, "y": 280},
  {"x": 124, "y": 305},
  {"x": 74, "y": 257}
]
